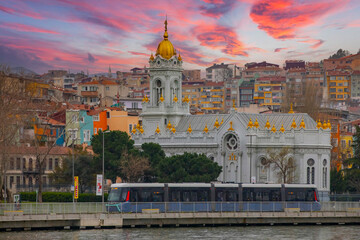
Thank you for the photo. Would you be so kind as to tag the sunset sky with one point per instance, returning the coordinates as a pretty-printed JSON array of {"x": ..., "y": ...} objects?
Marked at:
[{"x": 93, "y": 34}]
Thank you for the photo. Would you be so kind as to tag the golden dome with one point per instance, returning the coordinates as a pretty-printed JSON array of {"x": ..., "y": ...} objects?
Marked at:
[{"x": 165, "y": 48}]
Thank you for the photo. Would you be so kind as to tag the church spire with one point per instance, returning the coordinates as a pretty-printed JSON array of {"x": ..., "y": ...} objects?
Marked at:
[{"x": 109, "y": 73}]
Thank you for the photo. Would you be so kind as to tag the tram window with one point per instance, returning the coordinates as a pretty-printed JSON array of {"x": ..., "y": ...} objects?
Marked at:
[
  {"x": 114, "y": 195},
  {"x": 193, "y": 196},
  {"x": 275, "y": 195},
  {"x": 248, "y": 194},
  {"x": 296, "y": 194},
  {"x": 265, "y": 196},
  {"x": 219, "y": 196},
  {"x": 175, "y": 196},
  {"x": 186, "y": 196},
  {"x": 145, "y": 196},
  {"x": 231, "y": 196},
  {"x": 158, "y": 197},
  {"x": 203, "y": 196}
]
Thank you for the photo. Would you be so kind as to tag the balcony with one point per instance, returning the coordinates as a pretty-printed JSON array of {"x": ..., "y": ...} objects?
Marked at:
[{"x": 89, "y": 93}]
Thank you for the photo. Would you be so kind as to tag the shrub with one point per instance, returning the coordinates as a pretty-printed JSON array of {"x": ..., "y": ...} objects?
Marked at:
[{"x": 61, "y": 197}]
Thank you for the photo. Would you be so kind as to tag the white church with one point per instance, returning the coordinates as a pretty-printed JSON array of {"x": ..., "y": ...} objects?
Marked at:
[{"x": 238, "y": 142}]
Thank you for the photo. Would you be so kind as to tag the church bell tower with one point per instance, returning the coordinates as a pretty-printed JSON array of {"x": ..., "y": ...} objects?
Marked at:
[{"x": 165, "y": 103}]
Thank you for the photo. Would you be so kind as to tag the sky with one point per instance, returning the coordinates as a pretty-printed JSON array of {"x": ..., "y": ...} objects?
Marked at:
[{"x": 91, "y": 35}]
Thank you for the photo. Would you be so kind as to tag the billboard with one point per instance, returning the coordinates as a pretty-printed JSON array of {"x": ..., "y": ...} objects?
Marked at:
[
  {"x": 99, "y": 183},
  {"x": 76, "y": 187}
]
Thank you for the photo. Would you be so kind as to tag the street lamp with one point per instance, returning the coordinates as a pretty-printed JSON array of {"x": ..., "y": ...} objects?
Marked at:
[{"x": 103, "y": 169}]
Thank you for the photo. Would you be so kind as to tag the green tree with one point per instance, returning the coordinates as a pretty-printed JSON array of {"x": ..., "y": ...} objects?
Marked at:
[
  {"x": 337, "y": 182},
  {"x": 115, "y": 144},
  {"x": 83, "y": 168},
  {"x": 189, "y": 167},
  {"x": 339, "y": 54},
  {"x": 352, "y": 174},
  {"x": 154, "y": 153}
]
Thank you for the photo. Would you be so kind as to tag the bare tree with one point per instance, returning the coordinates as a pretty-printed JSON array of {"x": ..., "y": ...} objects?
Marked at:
[
  {"x": 305, "y": 97},
  {"x": 282, "y": 164},
  {"x": 133, "y": 166}
]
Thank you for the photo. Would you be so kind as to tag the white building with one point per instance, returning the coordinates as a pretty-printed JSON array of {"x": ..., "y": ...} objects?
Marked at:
[{"x": 226, "y": 138}]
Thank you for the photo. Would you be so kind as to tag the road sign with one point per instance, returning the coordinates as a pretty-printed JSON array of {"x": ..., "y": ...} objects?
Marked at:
[
  {"x": 16, "y": 198},
  {"x": 99, "y": 183},
  {"x": 76, "y": 187}
]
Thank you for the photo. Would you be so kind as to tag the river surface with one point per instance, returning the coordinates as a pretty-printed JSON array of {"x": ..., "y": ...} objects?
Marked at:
[{"x": 248, "y": 232}]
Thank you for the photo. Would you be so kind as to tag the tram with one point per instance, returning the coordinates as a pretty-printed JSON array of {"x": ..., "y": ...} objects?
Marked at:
[{"x": 211, "y": 197}]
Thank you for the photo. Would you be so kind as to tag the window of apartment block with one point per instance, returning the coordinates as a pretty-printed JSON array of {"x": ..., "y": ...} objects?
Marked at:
[
  {"x": 332, "y": 78},
  {"x": 332, "y": 89},
  {"x": 11, "y": 163},
  {"x": 130, "y": 127},
  {"x": 18, "y": 181},
  {"x": 107, "y": 88},
  {"x": 93, "y": 99},
  {"x": 134, "y": 105},
  {"x": 340, "y": 96},
  {"x": 56, "y": 162},
  {"x": 24, "y": 164},
  {"x": 82, "y": 119},
  {"x": 333, "y": 96},
  {"x": 343, "y": 143},
  {"x": 96, "y": 118},
  {"x": 107, "y": 114},
  {"x": 50, "y": 163},
  {"x": 95, "y": 130},
  {"x": 332, "y": 84},
  {"x": 11, "y": 180},
  {"x": 74, "y": 118},
  {"x": 86, "y": 135},
  {"x": 18, "y": 163}
]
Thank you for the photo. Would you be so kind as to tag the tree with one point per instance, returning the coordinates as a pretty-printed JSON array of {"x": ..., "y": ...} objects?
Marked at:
[
  {"x": 339, "y": 54},
  {"x": 189, "y": 167},
  {"x": 83, "y": 168},
  {"x": 352, "y": 174},
  {"x": 282, "y": 164},
  {"x": 133, "y": 166},
  {"x": 337, "y": 182},
  {"x": 155, "y": 154},
  {"x": 115, "y": 144}
]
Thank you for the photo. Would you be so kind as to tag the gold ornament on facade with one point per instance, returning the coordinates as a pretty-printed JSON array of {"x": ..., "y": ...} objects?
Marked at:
[
  {"x": 318, "y": 125},
  {"x": 256, "y": 123},
  {"x": 302, "y": 124},
  {"x": 216, "y": 124},
  {"x": 222, "y": 121},
  {"x": 282, "y": 129},
  {"x": 291, "y": 109},
  {"x": 273, "y": 128},
  {"x": 267, "y": 125},
  {"x": 138, "y": 126},
  {"x": 165, "y": 48},
  {"x": 175, "y": 98},
  {"x": 145, "y": 99},
  {"x": 169, "y": 125},
  {"x": 250, "y": 124},
  {"x": 206, "y": 130},
  {"x": 161, "y": 98},
  {"x": 179, "y": 58},
  {"x": 141, "y": 130},
  {"x": 293, "y": 124},
  {"x": 133, "y": 131},
  {"x": 151, "y": 57},
  {"x": 231, "y": 127},
  {"x": 157, "y": 130},
  {"x": 189, "y": 130},
  {"x": 325, "y": 125},
  {"x": 173, "y": 130},
  {"x": 328, "y": 124}
]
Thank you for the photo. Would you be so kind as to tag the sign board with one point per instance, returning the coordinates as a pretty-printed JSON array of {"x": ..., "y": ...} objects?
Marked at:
[
  {"x": 99, "y": 184},
  {"x": 253, "y": 179},
  {"x": 76, "y": 187},
  {"x": 16, "y": 198}
]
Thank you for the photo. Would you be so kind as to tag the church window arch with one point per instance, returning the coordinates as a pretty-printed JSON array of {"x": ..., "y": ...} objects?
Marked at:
[
  {"x": 324, "y": 173},
  {"x": 158, "y": 90},
  {"x": 263, "y": 170}
]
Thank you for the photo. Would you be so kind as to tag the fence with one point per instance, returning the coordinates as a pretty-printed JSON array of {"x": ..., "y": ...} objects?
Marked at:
[{"x": 93, "y": 207}]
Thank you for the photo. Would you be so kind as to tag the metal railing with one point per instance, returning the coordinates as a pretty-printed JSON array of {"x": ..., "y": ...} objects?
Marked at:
[{"x": 176, "y": 207}]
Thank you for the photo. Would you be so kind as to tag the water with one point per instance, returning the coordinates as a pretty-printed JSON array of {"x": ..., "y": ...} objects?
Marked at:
[{"x": 249, "y": 232}]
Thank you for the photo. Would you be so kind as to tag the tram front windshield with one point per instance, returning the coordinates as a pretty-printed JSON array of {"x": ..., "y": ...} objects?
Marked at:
[{"x": 118, "y": 195}]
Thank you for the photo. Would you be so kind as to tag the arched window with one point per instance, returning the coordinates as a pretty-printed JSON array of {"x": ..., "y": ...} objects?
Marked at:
[
  {"x": 324, "y": 173},
  {"x": 30, "y": 164},
  {"x": 310, "y": 173},
  {"x": 158, "y": 91}
]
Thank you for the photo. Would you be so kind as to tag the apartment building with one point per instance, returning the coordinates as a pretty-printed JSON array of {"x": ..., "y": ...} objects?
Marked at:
[
  {"x": 254, "y": 71},
  {"x": 246, "y": 93},
  {"x": 355, "y": 85},
  {"x": 192, "y": 75},
  {"x": 338, "y": 84},
  {"x": 268, "y": 91},
  {"x": 222, "y": 72},
  {"x": 352, "y": 61},
  {"x": 212, "y": 97},
  {"x": 192, "y": 91}
]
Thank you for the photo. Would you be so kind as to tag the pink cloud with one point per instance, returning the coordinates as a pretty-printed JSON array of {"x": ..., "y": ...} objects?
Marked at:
[
  {"x": 282, "y": 18},
  {"x": 20, "y": 12},
  {"x": 27, "y": 28},
  {"x": 139, "y": 53},
  {"x": 279, "y": 49}
]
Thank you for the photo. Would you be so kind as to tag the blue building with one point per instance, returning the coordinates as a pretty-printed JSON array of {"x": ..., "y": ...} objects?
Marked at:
[{"x": 86, "y": 127}]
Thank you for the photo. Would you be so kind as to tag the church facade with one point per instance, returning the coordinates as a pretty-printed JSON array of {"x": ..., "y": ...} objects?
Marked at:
[{"x": 239, "y": 142}]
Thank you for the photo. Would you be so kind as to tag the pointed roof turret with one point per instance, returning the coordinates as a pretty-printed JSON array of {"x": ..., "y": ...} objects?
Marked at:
[
  {"x": 216, "y": 124},
  {"x": 325, "y": 126},
  {"x": 250, "y": 124},
  {"x": 302, "y": 124},
  {"x": 256, "y": 124},
  {"x": 318, "y": 125},
  {"x": 206, "y": 130},
  {"x": 189, "y": 130},
  {"x": 165, "y": 48},
  {"x": 328, "y": 124},
  {"x": 157, "y": 130},
  {"x": 282, "y": 129},
  {"x": 267, "y": 125},
  {"x": 273, "y": 128},
  {"x": 293, "y": 124}
]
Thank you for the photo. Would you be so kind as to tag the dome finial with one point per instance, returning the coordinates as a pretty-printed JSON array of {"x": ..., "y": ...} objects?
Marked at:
[
  {"x": 165, "y": 33},
  {"x": 291, "y": 109}
]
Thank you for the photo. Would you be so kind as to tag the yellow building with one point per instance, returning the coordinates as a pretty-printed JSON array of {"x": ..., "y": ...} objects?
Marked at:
[
  {"x": 212, "y": 97},
  {"x": 346, "y": 149},
  {"x": 192, "y": 91},
  {"x": 268, "y": 91},
  {"x": 339, "y": 87},
  {"x": 120, "y": 120}
]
